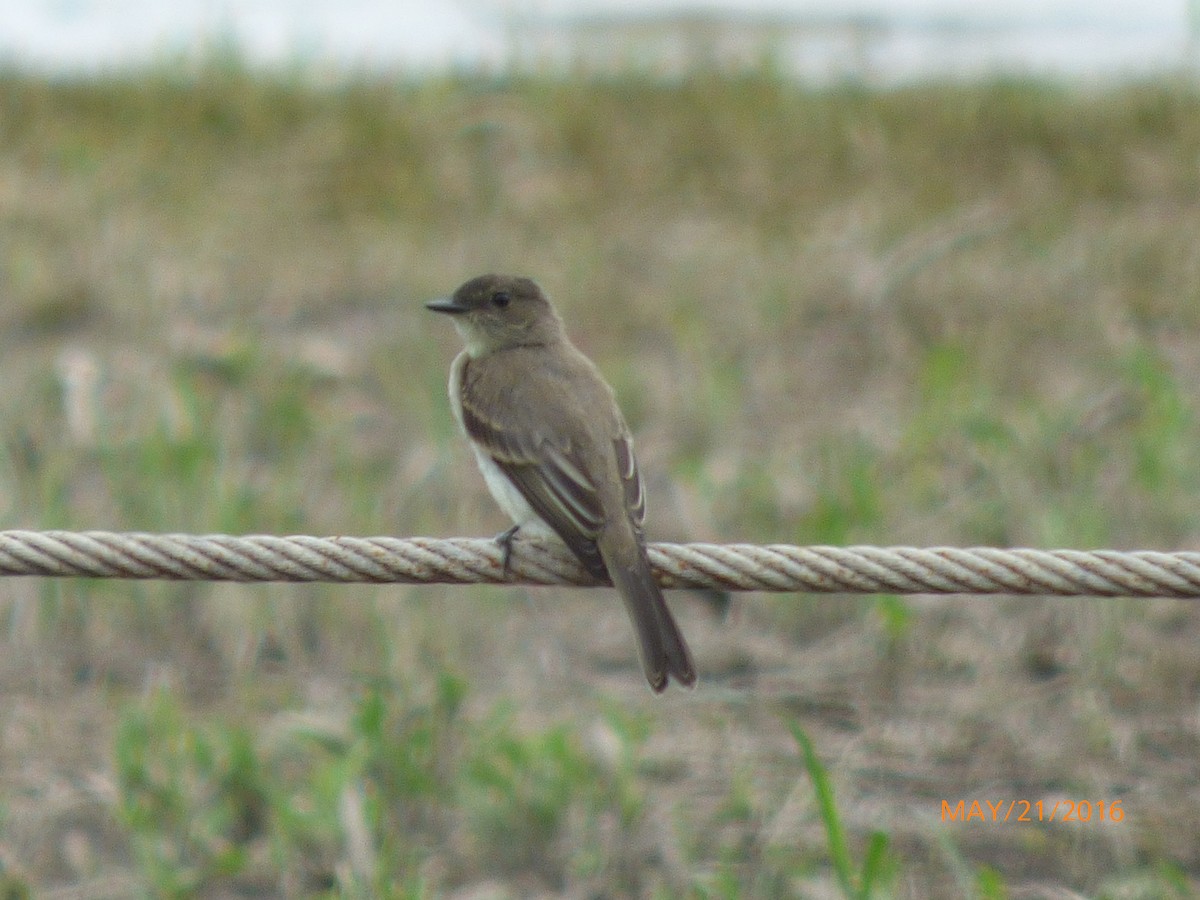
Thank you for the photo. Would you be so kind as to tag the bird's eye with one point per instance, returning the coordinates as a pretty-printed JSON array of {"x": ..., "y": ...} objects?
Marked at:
[{"x": 501, "y": 299}]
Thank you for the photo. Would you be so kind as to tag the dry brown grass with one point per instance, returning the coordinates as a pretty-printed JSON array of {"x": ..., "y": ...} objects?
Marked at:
[{"x": 939, "y": 314}]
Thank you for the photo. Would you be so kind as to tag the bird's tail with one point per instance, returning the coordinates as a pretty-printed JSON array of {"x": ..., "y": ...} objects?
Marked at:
[{"x": 661, "y": 645}]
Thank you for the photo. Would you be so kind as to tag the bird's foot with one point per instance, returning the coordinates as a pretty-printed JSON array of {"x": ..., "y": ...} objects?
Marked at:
[{"x": 505, "y": 540}]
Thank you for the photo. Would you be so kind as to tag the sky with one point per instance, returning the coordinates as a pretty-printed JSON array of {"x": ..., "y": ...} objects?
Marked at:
[{"x": 1074, "y": 36}]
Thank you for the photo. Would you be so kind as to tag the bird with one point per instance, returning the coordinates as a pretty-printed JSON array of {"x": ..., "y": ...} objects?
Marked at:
[{"x": 555, "y": 452}]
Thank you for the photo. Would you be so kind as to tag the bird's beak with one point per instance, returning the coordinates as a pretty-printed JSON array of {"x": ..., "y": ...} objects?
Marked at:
[{"x": 447, "y": 305}]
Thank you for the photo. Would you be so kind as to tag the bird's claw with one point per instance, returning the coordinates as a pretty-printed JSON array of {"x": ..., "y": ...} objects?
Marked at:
[{"x": 505, "y": 540}]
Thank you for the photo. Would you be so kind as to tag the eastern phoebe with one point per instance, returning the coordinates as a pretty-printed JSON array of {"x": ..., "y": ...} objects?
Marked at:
[{"x": 555, "y": 451}]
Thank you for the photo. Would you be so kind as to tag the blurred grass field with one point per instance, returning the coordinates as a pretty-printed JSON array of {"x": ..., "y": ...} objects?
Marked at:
[{"x": 937, "y": 314}]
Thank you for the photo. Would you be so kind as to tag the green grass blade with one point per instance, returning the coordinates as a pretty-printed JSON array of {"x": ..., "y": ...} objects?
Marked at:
[{"x": 839, "y": 853}]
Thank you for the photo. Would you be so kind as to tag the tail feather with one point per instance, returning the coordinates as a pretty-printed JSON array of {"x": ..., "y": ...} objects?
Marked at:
[{"x": 663, "y": 651}]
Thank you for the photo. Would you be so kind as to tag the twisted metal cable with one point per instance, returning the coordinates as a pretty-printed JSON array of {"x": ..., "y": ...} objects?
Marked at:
[{"x": 750, "y": 567}]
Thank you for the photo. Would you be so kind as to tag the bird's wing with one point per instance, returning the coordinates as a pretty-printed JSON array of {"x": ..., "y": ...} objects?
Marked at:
[
  {"x": 631, "y": 481},
  {"x": 551, "y": 475}
]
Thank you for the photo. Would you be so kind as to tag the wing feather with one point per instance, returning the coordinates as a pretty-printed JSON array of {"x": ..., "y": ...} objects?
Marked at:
[
  {"x": 551, "y": 476},
  {"x": 631, "y": 480}
]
